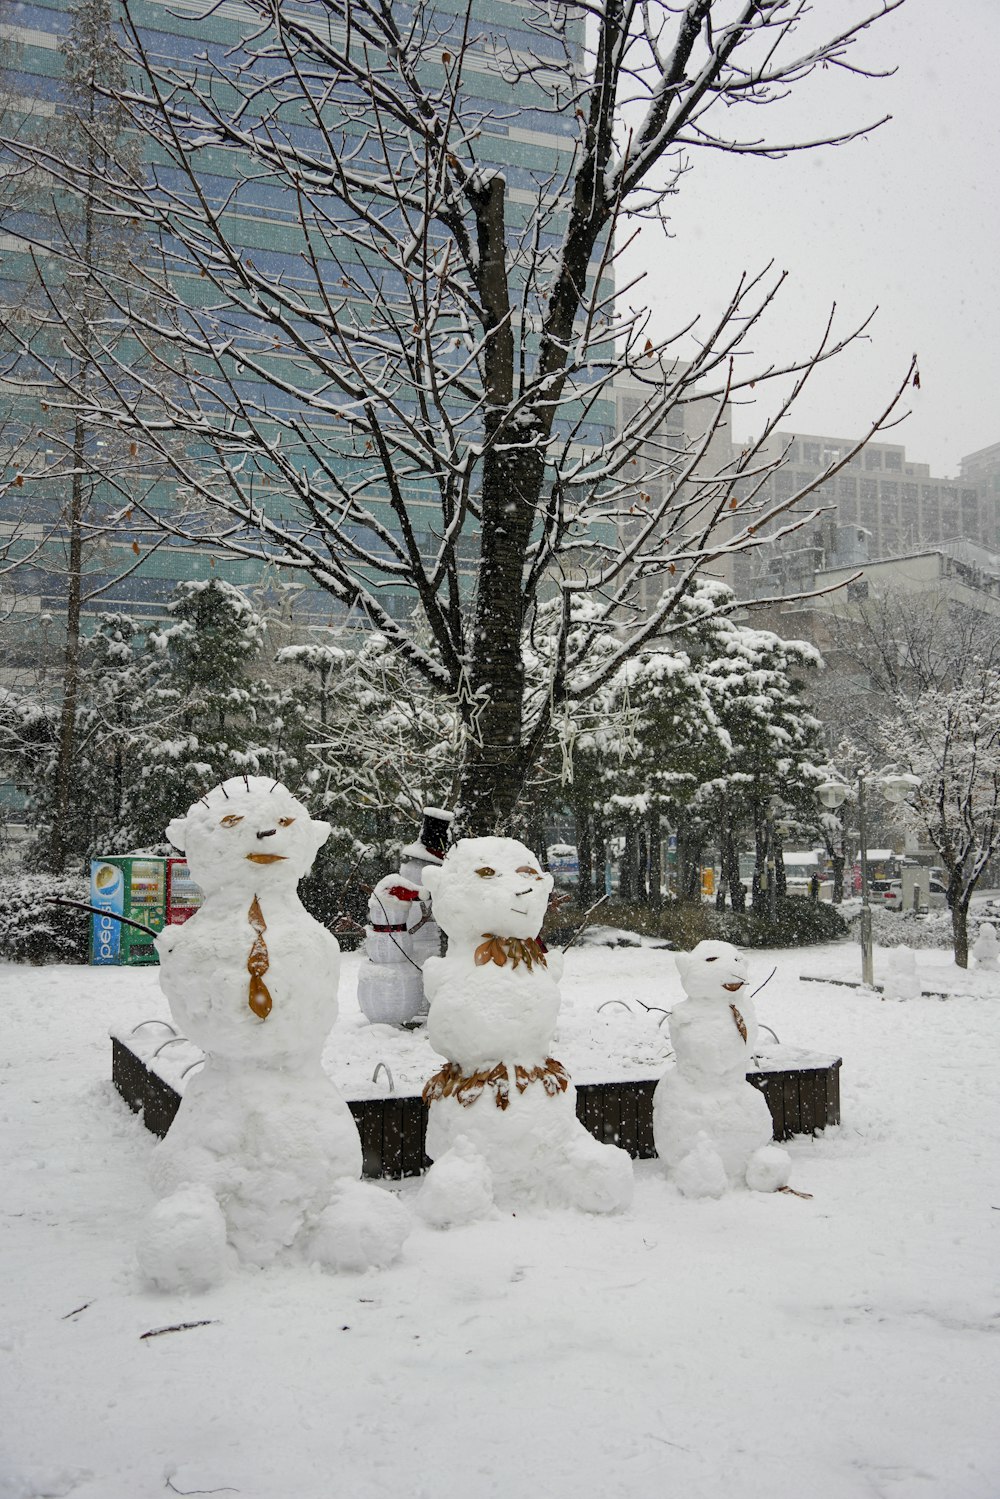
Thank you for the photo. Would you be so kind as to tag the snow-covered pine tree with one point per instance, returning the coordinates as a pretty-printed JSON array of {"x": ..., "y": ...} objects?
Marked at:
[
  {"x": 753, "y": 679},
  {"x": 218, "y": 714},
  {"x": 95, "y": 802}
]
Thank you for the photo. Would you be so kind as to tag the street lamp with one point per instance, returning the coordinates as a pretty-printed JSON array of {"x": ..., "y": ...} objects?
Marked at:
[{"x": 833, "y": 793}]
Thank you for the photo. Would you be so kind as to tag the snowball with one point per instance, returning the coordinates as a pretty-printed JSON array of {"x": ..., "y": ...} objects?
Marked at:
[
  {"x": 183, "y": 1243},
  {"x": 701, "y": 1172},
  {"x": 768, "y": 1169},
  {"x": 458, "y": 1188},
  {"x": 363, "y": 1228}
]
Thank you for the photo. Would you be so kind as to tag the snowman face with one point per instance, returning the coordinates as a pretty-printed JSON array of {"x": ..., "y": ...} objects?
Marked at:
[
  {"x": 248, "y": 836},
  {"x": 489, "y": 886},
  {"x": 713, "y": 970}
]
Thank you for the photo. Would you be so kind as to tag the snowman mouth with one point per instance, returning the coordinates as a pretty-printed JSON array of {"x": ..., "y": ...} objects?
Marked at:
[
  {"x": 266, "y": 858},
  {"x": 734, "y": 988},
  {"x": 518, "y": 912}
]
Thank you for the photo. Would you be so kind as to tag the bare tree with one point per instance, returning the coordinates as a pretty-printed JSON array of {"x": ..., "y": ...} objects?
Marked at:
[
  {"x": 70, "y": 473},
  {"x": 926, "y": 699},
  {"x": 410, "y": 402}
]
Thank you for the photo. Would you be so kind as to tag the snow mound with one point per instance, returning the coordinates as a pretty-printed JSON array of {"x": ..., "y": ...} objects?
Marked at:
[
  {"x": 459, "y": 1190},
  {"x": 362, "y": 1229},
  {"x": 183, "y": 1242},
  {"x": 701, "y": 1172}
]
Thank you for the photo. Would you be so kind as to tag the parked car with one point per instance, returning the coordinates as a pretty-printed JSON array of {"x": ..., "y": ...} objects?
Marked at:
[{"x": 889, "y": 893}]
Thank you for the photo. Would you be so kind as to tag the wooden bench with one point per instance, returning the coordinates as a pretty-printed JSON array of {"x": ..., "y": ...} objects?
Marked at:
[{"x": 801, "y": 1100}]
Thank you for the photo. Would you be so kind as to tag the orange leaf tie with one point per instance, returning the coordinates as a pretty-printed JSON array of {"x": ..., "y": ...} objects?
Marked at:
[
  {"x": 258, "y": 963},
  {"x": 498, "y": 950},
  {"x": 740, "y": 1023}
]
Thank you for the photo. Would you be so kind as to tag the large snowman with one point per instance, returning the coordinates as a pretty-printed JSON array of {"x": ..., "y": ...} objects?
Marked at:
[
  {"x": 502, "y": 1127},
  {"x": 264, "y": 1156},
  {"x": 712, "y": 1129}
]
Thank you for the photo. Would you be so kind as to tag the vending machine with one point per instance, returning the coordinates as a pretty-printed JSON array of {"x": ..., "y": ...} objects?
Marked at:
[
  {"x": 183, "y": 895},
  {"x": 130, "y": 885}
]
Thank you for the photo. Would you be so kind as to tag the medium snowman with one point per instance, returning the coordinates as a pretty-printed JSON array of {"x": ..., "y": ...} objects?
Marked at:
[
  {"x": 502, "y": 1129},
  {"x": 263, "y": 1159},
  {"x": 986, "y": 950},
  {"x": 712, "y": 1129}
]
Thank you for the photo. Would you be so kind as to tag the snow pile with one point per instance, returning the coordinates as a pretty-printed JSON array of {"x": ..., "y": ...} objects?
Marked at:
[
  {"x": 750, "y": 1345},
  {"x": 710, "y": 1125},
  {"x": 902, "y": 980},
  {"x": 494, "y": 1004}
]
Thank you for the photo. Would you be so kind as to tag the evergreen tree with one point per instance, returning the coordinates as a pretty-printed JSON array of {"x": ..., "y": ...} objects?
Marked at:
[
  {"x": 95, "y": 802},
  {"x": 217, "y": 714}
]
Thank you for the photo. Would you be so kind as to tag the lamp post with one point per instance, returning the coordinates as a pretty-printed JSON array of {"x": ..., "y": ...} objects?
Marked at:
[{"x": 832, "y": 794}]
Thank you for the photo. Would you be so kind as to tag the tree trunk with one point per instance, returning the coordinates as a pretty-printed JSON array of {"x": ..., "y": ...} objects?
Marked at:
[
  {"x": 628, "y": 870},
  {"x": 655, "y": 861},
  {"x": 730, "y": 857},
  {"x": 600, "y": 855},
  {"x": 584, "y": 855},
  {"x": 758, "y": 903},
  {"x": 839, "y": 860},
  {"x": 780, "y": 877},
  {"x": 59, "y": 841},
  {"x": 496, "y": 759},
  {"x": 960, "y": 931},
  {"x": 641, "y": 865}
]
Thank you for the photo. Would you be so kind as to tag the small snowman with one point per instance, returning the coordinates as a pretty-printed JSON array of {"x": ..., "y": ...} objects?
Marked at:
[
  {"x": 400, "y": 934},
  {"x": 713, "y": 1129},
  {"x": 901, "y": 978},
  {"x": 502, "y": 1129},
  {"x": 263, "y": 1159},
  {"x": 986, "y": 950}
]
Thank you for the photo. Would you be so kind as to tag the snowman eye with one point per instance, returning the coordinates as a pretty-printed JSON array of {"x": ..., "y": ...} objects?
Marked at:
[
  {"x": 230, "y": 821},
  {"x": 285, "y": 822},
  {"x": 527, "y": 869},
  {"x": 711, "y": 960},
  {"x": 486, "y": 873}
]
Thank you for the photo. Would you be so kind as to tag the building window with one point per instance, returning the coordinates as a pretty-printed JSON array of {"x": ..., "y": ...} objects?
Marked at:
[
  {"x": 873, "y": 458},
  {"x": 892, "y": 460}
]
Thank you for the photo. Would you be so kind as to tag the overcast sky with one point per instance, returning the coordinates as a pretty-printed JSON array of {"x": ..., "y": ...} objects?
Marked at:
[{"x": 907, "y": 219}]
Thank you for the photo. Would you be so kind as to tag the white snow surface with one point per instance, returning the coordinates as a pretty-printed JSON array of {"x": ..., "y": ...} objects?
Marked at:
[{"x": 757, "y": 1346}]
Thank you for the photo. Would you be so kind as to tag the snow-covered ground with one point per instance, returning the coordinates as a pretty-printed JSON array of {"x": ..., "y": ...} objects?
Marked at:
[{"x": 841, "y": 1347}]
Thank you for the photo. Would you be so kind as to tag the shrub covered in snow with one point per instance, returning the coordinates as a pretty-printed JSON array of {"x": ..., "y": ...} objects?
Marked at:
[
  {"x": 931, "y": 929},
  {"x": 34, "y": 931},
  {"x": 684, "y": 924}
]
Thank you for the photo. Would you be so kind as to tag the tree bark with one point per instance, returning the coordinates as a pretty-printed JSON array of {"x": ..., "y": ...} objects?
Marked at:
[
  {"x": 731, "y": 869},
  {"x": 758, "y": 901},
  {"x": 600, "y": 854},
  {"x": 655, "y": 861},
  {"x": 584, "y": 854},
  {"x": 628, "y": 872},
  {"x": 960, "y": 932},
  {"x": 59, "y": 840}
]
